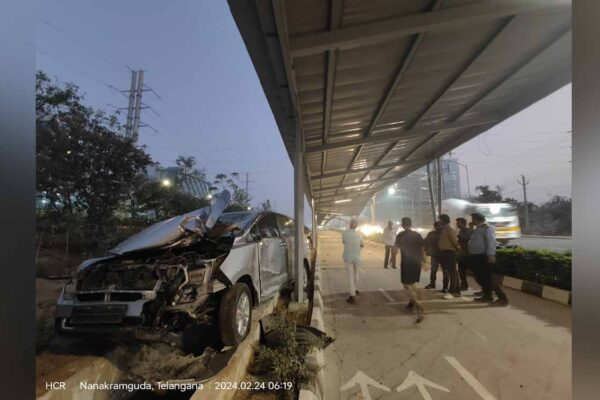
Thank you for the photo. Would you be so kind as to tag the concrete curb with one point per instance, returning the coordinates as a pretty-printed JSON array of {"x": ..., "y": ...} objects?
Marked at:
[
  {"x": 546, "y": 237},
  {"x": 537, "y": 289},
  {"x": 238, "y": 364},
  {"x": 315, "y": 390}
]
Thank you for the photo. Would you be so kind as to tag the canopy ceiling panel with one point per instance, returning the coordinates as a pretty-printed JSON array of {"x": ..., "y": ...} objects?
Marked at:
[{"x": 378, "y": 88}]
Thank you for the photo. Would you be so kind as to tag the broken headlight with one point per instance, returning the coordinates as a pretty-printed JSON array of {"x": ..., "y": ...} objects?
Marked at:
[{"x": 69, "y": 291}]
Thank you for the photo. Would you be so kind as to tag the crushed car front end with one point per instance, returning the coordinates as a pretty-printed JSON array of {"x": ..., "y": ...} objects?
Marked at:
[
  {"x": 155, "y": 284},
  {"x": 148, "y": 299}
]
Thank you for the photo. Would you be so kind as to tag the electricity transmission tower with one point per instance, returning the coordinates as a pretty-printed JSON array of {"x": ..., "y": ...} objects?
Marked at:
[{"x": 135, "y": 105}]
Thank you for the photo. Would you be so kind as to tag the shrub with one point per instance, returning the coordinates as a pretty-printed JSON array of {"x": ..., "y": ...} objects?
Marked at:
[
  {"x": 284, "y": 362},
  {"x": 540, "y": 266}
]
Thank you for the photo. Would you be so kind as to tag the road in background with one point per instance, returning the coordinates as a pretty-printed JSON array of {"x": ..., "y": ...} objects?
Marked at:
[
  {"x": 462, "y": 350},
  {"x": 546, "y": 243}
]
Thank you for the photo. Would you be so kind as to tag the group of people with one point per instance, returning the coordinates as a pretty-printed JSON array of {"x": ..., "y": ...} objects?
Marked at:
[{"x": 471, "y": 246}]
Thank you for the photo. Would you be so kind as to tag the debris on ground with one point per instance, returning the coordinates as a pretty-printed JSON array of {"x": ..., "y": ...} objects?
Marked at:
[{"x": 161, "y": 362}]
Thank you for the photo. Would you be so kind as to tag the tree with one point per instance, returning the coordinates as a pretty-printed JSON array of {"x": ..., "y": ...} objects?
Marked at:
[
  {"x": 187, "y": 168},
  {"x": 84, "y": 166},
  {"x": 265, "y": 205},
  {"x": 486, "y": 195},
  {"x": 240, "y": 198},
  {"x": 553, "y": 217}
]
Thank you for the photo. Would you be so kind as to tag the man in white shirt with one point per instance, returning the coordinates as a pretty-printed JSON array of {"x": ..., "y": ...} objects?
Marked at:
[
  {"x": 389, "y": 239},
  {"x": 353, "y": 243}
]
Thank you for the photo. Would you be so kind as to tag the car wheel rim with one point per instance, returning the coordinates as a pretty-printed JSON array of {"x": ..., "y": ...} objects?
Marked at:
[{"x": 242, "y": 314}]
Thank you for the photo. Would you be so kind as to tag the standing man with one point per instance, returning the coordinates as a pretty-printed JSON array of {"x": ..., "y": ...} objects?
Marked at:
[
  {"x": 353, "y": 242},
  {"x": 482, "y": 247},
  {"x": 431, "y": 249},
  {"x": 448, "y": 246},
  {"x": 411, "y": 254},
  {"x": 389, "y": 238},
  {"x": 464, "y": 233}
]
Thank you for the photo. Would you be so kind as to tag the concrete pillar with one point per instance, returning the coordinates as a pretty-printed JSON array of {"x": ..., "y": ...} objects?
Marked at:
[
  {"x": 314, "y": 225},
  {"x": 299, "y": 214},
  {"x": 430, "y": 186},
  {"x": 586, "y": 197}
]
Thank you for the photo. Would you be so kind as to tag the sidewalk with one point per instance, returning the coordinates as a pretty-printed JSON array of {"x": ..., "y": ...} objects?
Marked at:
[{"x": 462, "y": 350}]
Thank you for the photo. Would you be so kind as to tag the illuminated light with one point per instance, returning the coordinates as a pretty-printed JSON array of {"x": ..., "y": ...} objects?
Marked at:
[
  {"x": 357, "y": 186},
  {"x": 342, "y": 201},
  {"x": 166, "y": 182},
  {"x": 369, "y": 230},
  {"x": 249, "y": 208},
  {"x": 68, "y": 151},
  {"x": 391, "y": 190},
  {"x": 209, "y": 196}
]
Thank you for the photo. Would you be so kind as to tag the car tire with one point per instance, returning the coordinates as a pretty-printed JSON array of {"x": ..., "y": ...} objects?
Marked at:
[{"x": 235, "y": 314}]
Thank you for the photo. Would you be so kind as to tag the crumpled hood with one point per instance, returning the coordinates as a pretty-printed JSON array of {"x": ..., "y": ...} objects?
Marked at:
[{"x": 169, "y": 231}]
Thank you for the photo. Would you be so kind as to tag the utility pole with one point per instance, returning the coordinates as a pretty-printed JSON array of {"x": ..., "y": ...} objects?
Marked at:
[
  {"x": 524, "y": 184},
  {"x": 373, "y": 210},
  {"x": 129, "y": 124}
]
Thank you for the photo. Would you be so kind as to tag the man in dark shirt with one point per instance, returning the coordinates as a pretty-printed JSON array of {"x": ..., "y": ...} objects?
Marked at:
[
  {"x": 432, "y": 251},
  {"x": 464, "y": 234},
  {"x": 411, "y": 245}
]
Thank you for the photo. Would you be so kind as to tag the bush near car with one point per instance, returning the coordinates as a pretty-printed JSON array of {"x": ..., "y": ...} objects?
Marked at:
[{"x": 539, "y": 266}]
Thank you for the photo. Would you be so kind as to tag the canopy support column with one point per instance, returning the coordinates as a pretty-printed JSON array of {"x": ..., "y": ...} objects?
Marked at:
[
  {"x": 430, "y": 186},
  {"x": 438, "y": 165},
  {"x": 299, "y": 216}
]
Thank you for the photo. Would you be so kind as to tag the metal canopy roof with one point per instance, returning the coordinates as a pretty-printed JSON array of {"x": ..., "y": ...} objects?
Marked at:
[{"x": 380, "y": 87}]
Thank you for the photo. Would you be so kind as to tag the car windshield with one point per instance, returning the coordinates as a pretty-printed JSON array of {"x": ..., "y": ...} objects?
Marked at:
[
  {"x": 497, "y": 211},
  {"x": 241, "y": 219}
]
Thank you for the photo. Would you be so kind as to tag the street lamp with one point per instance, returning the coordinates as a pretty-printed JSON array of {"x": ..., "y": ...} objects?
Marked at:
[
  {"x": 209, "y": 196},
  {"x": 249, "y": 208},
  {"x": 166, "y": 182},
  {"x": 391, "y": 190}
]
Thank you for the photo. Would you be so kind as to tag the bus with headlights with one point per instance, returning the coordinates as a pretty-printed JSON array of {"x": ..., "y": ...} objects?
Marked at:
[{"x": 503, "y": 217}]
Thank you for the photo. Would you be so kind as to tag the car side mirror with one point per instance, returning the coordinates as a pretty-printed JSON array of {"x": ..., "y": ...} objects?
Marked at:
[{"x": 253, "y": 237}]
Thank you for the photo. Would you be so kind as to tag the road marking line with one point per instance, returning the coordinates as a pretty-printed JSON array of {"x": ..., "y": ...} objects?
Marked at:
[
  {"x": 387, "y": 296},
  {"x": 470, "y": 379}
]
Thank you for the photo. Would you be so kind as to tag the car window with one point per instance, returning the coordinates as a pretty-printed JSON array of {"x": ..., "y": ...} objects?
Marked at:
[
  {"x": 286, "y": 225},
  {"x": 267, "y": 226}
]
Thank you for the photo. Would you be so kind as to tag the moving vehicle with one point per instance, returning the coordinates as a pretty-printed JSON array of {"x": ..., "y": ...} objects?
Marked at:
[
  {"x": 502, "y": 216},
  {"x": 204, "y": 268}
]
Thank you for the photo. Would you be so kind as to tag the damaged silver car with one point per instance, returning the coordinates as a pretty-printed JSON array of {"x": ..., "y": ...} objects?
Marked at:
[{"x": 204, "y": 268}]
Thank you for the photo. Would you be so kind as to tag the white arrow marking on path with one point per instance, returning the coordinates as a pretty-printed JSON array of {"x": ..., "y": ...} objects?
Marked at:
[
  {"x": 361, "y": 379},
  {"x": 470, "y": 379},
  {"x": 387, "y": 296},
  {"x": 414, "y": 379}
]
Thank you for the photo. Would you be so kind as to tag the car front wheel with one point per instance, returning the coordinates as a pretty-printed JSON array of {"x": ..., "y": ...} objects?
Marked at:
[{"x": 235, "y": 314}]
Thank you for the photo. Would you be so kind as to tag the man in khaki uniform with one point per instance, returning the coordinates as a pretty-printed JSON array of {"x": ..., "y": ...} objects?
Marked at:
[{"x": 448, "y": 247}]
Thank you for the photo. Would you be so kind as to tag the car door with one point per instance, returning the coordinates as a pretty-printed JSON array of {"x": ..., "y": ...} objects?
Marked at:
[
  {"x": 286, "y": 228},
  {"x": 272, "y": 255}
]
